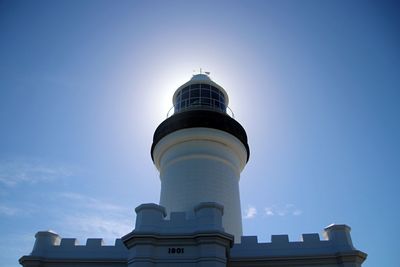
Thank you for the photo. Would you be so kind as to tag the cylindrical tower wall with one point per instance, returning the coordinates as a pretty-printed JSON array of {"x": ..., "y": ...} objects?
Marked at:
[{"x": 201, "y": 165}]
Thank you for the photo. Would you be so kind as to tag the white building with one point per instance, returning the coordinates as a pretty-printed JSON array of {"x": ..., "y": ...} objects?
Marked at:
[{"x": 200, "y": 152}]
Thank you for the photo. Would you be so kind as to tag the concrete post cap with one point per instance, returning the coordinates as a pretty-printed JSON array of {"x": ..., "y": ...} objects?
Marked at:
[
  {"x": 151, "y": 206},
  {"x": 204, "y": 205},
  {"x": 337, "y": 227},
  {"x": 48, "y": 233}
]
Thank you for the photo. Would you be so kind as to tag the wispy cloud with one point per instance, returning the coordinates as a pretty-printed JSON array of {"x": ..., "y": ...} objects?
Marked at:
[
  {"x": 269, "y": 211},
  {"x": 18, "y": 209},
  {"x": 288, "y": 209},
  {"x": 250, "y": 212},
  {"x": 8, "y": 211},
  {"x": 14, "y": 172},
  {"x": 91, "y": 203},
  {"x": 85, "y": 216},
  {"x": 96, "y": 225},
  {"x": 297, "y": 212}
]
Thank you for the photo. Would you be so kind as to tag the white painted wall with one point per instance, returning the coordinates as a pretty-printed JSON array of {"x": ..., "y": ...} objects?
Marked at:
[{"x": 202, "y": 165}]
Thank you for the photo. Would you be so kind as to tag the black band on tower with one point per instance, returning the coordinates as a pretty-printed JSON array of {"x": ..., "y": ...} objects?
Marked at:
[{"x": 200, "y": 118}]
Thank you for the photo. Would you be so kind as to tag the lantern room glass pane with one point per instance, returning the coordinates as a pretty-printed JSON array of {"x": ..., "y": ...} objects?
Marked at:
[
  {"x": 205, "y": 101},
  {"x": 195, "y": 101},
  {"x": 215, "y": 96},
  {"x": 205, "y": 93},
  {"x": 194, "y": 93},
  {"x": 185, "y": 95},
  {"x": 216, "y": 103},
  {"x": 184, "y": 104}
]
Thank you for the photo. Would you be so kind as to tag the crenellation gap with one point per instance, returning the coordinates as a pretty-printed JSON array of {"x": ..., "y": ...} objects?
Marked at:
[
  {"x": 69, "y": 242},
  {"x": 94, "y": 242}
]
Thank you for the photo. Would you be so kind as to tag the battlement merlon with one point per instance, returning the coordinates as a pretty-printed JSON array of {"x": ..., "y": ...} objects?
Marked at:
[
  {"x": 339, "y": 234},
  {"x": 152, "y": 218},
  {"x": 45, "y": 240}
]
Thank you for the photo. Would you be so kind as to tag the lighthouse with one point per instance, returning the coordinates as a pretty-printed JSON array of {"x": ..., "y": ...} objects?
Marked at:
[{"x": 200, "y": 152}]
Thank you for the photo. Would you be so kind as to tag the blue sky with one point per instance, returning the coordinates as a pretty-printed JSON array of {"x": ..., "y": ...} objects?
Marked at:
[{"x": 84, "y": 84}]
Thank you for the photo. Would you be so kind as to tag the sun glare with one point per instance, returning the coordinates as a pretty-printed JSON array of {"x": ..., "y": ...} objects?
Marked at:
[{"x": 164, "y": 90}]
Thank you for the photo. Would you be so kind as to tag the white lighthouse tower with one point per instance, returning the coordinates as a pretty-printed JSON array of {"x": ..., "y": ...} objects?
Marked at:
[{"x": 200, "y": 152}]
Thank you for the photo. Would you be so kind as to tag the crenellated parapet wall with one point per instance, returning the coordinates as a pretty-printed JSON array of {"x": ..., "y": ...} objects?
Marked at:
[
  {"x": 337, "y": 238},
  {"x": 48, "y": 244},
  {"x": 194, "y": 239},
  {"x": 52, "y": 250},
  {"x": 335, "y": 248}
]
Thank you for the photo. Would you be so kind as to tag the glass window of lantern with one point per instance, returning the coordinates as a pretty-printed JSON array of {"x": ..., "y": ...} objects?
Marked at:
[
  {"x": 177, "y": 102},
  {"x": 216, "y": 103},
  {"x": 195, "y": 101},
  {"x": 205, "y": 101},
  {"x": 194, "y": 93},
  {"x": 183, "y": 104},
  {"x": 215, "y": 96},
  {"x": 205, "y": 93},
  {"x": 185, "y": 94}
]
